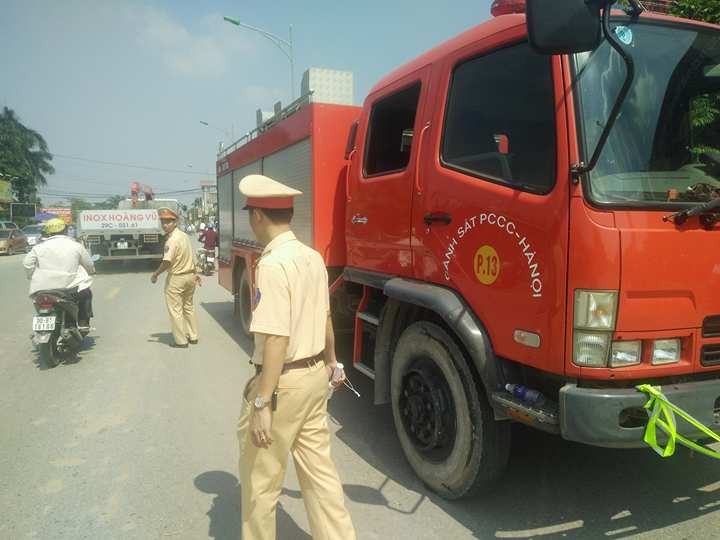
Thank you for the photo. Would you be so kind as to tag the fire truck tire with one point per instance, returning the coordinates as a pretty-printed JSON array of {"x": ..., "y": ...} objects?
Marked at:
[
  {"x": 243, "y": 302},
  {"x": 442, "y": 417}
]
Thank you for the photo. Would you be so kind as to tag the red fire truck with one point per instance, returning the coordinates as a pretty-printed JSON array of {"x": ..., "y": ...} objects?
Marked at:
[{"x": 533, "y": 202}]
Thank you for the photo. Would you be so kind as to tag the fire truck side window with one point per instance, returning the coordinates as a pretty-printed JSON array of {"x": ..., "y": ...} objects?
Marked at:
[
  {"x": 500, "y": 119},
  {"x": 389, "y": 136}
]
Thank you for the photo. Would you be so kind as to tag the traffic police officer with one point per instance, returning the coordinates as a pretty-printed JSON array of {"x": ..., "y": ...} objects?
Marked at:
[
  {"x": 285, "y": 404},
  {"x": 179, "y": 262}
]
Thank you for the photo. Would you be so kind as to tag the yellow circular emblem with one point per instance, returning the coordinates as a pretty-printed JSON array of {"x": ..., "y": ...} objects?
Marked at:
[{"x": 486, "y": 265}]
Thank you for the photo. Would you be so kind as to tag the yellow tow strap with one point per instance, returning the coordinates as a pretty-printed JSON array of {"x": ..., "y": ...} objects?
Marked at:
[{"x": 663, "y": 415}]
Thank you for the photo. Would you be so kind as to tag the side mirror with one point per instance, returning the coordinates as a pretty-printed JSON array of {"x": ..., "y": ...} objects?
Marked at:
[{"x": 564, "y": 26}]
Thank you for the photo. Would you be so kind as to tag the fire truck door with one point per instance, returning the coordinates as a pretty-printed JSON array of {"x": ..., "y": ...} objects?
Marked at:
[
  {"x": 382, "y": 175},
  {"x": 490, "y": 219}
]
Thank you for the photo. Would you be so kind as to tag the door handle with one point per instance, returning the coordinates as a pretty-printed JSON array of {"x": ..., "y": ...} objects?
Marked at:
[
  {"x": 437, "y": 217},
  {"x": 359, "y": 220}
]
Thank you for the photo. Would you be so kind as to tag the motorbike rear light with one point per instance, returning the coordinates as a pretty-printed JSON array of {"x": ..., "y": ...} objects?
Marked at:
[
  {"x": 44, "y": 301},
  {"x": 505, "y": 7}
]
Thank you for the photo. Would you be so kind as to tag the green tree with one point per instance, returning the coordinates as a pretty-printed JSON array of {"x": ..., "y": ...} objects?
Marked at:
[
  {"x": 109, "y": 203},
  {"x": 700, "y": 10},
  {"x": 78, "y": 205},
  {"x": 24, "y": 156},
  {"x": 704, "y": 108}
]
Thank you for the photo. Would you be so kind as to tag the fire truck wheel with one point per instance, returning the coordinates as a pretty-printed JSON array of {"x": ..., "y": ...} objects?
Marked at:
[
  {"x": 442, "y": 417},
  {"x": 243, "y": 302}
]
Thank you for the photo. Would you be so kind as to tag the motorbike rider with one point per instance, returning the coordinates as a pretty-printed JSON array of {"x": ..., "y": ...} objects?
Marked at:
[
  {"x": 60, "y": 262},
  {"x": 208, "y": 237}
]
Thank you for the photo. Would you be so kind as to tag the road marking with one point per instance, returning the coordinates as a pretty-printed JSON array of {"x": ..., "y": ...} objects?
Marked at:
[{"x": 113, "y": 293}]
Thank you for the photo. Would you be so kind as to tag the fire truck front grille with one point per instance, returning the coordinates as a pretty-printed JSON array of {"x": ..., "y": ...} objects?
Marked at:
[
  {"x": 711, "y": 326},
  {"x": 151, "y": 238},
  {"x": 710, "y": 355},
  {"x": 93, "y": 239}
]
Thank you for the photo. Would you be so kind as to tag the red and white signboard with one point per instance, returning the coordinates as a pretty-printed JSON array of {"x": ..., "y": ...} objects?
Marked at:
[
  {"x": 119, "y": 219},
  {"x": 63, "y": 213}
]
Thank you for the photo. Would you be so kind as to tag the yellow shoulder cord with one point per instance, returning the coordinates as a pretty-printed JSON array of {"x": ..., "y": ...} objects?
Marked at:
[{"x": 663, "y": 415}]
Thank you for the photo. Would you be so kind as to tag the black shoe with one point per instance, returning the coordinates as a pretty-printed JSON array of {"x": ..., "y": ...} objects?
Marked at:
[
  {"x": 193, "y": 341},
  {"x": 176, "y": 346}
]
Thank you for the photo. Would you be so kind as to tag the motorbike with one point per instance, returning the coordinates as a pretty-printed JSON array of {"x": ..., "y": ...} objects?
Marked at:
[
  {"x": 207, "y": 261},
  {"x": 56, "y": 331}
]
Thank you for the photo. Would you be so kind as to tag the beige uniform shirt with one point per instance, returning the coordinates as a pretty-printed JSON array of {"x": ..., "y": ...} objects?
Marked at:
[
  {"x": 291, "y": 298},
  {"x": 178, "y": 252}
]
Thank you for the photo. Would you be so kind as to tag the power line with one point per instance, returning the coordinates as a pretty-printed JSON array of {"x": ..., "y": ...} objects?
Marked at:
[
  {"x": 130, "y": 165},
  {"x": 56, "y": 192},
  {"x": 79, "y": 195},
  {"x": 74, "y": 196},
  {"x": 196, "y": 190}
]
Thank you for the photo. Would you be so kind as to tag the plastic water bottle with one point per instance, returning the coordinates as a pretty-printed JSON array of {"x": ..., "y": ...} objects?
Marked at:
[
  {"x": 528, "y": 395},
  {"x": 337, "y": 374}
]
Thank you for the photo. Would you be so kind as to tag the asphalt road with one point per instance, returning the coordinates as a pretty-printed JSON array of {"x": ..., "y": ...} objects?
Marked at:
[{"x": 136, "y": 440}]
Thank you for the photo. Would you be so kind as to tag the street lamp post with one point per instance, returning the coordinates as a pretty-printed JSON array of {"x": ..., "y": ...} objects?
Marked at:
[
  {"x": 285, "y": 45},
  {"x": 229, "y": 134}
]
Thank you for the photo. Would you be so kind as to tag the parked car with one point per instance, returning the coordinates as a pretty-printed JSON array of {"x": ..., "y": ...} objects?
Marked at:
[
  {"x": 13, "y": 241},
  {"x": 8, "y": 225}
]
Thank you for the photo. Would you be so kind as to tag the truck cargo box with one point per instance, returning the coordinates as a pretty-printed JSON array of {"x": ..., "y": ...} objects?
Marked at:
[{"x": 304, "y": 150}]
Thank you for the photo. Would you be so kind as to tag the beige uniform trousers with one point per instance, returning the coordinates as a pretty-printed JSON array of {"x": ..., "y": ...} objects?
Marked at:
[
  {"x": 299, "y": 428},
  {"x": 179, "y": 290}
]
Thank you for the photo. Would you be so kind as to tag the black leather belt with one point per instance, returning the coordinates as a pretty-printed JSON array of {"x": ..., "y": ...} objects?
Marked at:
[{"x": 297, "y": 364}]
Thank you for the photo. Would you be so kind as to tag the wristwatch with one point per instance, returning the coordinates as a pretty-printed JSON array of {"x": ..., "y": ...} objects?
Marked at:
[{"x": 261, "y": 402}]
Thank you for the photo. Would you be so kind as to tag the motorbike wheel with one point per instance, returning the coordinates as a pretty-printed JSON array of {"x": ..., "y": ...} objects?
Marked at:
[{"x": 49, "y": 355}]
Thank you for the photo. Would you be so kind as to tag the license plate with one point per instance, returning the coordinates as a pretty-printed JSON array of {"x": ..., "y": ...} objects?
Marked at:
[
  {"x": 43, "y": 323},
  {"x": 122, "y": 245},
  {"x": 211, "y": 259}
]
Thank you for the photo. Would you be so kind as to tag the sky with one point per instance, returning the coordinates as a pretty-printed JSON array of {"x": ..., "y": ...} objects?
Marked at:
[{"x": 129, "y": 82}]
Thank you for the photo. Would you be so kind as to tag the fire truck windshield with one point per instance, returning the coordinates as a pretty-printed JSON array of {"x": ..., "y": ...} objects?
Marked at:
[{"x": 664, "y": 148}]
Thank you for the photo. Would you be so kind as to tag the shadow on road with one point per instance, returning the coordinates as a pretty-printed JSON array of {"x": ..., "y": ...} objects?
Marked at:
[
  {"x": 141, "y": 266},
  {"x": 224, "y": 514},
  {"x": 222, "y": 312},
  {"x": 551, "y": 489},
  {"x": 88, "y": 345},
  {"x": 164, "y": 338}
]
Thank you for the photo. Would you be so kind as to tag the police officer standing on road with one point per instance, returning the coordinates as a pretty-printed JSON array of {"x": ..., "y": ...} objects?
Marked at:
[
  {"x": 179, "y": 262},
  {"x": 285, "y": 406}
]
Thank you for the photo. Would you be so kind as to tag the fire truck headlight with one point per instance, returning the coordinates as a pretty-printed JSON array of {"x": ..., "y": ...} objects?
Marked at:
[
  {"x": 666, "y": 351},
  {"x": 625, "y": 353},
  {"x": 590, "y": 349},
  {"x": 595, "y": 310}
]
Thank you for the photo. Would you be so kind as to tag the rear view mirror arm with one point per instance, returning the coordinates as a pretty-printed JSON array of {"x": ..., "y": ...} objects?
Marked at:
[{"x": 582, "y": 168}]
